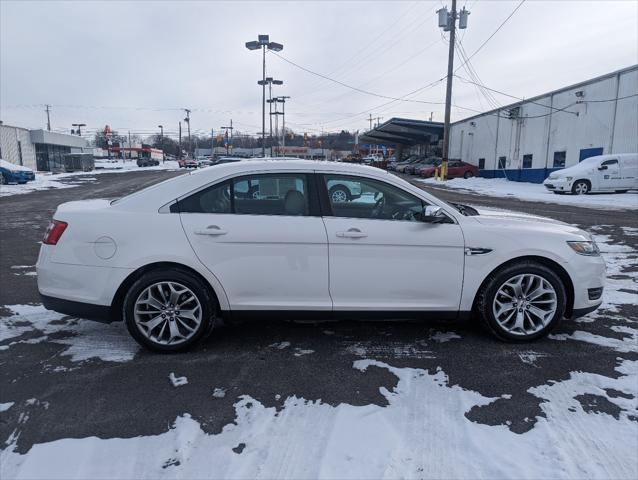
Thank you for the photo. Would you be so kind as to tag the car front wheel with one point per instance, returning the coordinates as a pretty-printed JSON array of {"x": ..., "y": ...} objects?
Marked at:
[
  {"x": 468, "y": 174},
  {"x": 169, "y": 310},
  {"x": 581, "y": 187},
  {"x": 522, "y": 302}
]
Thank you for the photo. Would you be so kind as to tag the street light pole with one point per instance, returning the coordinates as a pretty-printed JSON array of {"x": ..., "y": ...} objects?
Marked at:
[
  {"x": 188, "y": 123},
  {"x": 263, "y": 42},
  {"x": 161, "y": 127}
]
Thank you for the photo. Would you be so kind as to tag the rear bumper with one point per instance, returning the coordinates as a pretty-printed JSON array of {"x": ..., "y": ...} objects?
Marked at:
[{"x": 89, "y": 311}]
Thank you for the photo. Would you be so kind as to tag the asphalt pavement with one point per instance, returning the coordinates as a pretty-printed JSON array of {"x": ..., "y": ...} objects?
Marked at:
[{"x": 67, "y": 390}]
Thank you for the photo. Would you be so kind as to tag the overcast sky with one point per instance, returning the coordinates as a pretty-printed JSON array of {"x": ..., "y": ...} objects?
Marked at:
[{"x": 134, "y": 64}]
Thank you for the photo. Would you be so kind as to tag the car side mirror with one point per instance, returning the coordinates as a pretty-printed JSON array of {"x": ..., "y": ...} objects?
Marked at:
[
  {"x": 602, "y": 167},
  {"x": 432, "y": 214}
]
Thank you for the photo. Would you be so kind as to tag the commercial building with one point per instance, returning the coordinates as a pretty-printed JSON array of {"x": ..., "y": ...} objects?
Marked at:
[
  {"x": 39, "y": 149},
  {"x": 527, "y": 140},
  {"x": 16, "y": 146}
]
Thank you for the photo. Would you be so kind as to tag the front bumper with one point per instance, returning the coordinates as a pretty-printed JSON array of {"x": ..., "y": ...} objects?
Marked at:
[
  {"x": 558, "y": 185},
  {"x": 588, "y": 276}
]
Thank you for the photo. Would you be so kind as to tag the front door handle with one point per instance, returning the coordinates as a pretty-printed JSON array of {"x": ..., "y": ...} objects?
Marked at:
[
  {"x": 211, "y": 230},
  {"x": 352, "y": 233}
]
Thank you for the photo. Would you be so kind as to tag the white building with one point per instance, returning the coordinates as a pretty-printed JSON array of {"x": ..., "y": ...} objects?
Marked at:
[
  {"x": 39, "y": 149},
  {"x": 527, "y": 140}
]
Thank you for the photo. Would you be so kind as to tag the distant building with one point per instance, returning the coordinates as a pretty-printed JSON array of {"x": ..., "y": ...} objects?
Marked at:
[
  {"x": 38, "y": 149},
  {"x": 50, "y": 148},
  {"x": 16, "y": 146}
]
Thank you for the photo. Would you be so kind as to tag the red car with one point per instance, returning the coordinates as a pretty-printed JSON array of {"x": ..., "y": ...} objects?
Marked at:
[
  {"x": 455, "y": 169},
  {"x": 187, "y": 163}
]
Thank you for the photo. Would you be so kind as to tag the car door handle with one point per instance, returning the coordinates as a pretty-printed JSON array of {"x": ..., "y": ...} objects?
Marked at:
[
  {"x": 352, "y": 233},
  {"x": 211, "y": 230}
]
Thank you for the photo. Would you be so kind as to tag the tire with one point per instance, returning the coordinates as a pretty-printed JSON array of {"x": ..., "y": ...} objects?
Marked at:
[
  {"x": 2, "y": 179},
  {"x": 468, "y": 174},
  {"x": 339, "y": 194},
  {"x": 581, "y": 187},
  {"x": 202, "y": 306},
  {"x": 493, "y": 295}
]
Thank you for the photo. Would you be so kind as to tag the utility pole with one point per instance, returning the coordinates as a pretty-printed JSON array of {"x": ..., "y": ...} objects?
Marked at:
[
  {"x": 212, "y": 143},
  {"x": 129, "y": 145},
  {"x": 179, "y": 153},
  {"x": 447, "y": 21},
  {"x": 48, "y": 117},
  {"x": 370, "y": 119},
  {"x": 431, "y": 115},
  {"x": 188, "y": 122}
]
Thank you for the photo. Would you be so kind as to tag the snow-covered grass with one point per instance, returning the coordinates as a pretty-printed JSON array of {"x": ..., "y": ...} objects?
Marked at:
[
  {"x": 47, "y": 180},
  {"x": 500, "y": 187}
]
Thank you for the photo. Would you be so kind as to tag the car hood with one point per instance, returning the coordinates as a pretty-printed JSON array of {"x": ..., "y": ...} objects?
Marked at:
[
  {"x": 571, "y": 171},
  {"x": 503, "y": 218}
]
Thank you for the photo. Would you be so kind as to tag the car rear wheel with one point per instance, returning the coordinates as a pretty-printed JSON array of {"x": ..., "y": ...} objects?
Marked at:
[
  {"x": 522, "y": 302},
  {"x": 581, "y": 187},
  {"x": 169, "y": 310},
  {"x": 2, "y": 180}
]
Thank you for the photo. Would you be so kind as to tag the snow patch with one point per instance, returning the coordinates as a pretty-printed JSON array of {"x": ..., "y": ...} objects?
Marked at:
[
  {"x": 442, "y": 337},
  {"x": 177, "y": 381},
  {"x": 501, "y": 187},
  {"x": 219, "y": 392},
  {"x": 6, "y": 406},
  {"x": 106, "y": 341},
  {"x": 422, "y": 433}
]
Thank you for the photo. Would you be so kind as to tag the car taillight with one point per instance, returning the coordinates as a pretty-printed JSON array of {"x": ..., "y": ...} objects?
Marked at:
[{"x": 54, "y": 232}]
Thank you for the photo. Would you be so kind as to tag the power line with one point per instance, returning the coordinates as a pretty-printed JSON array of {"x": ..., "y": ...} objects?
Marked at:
[{"x": 398, "y": 99}]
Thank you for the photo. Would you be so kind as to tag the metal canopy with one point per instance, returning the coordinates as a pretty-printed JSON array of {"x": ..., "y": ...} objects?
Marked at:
[{"x": 404, "y": 131}]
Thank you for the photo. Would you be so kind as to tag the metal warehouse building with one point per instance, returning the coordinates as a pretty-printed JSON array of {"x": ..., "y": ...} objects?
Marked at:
[{"x": 528, "y": 140}]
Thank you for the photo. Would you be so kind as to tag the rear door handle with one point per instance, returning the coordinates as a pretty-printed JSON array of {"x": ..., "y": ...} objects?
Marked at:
[
  {"x": 211, "y": 230},
  {"x": 352, "y": 233}
]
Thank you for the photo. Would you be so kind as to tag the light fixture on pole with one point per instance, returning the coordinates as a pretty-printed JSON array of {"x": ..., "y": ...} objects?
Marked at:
[
  {"x": 263, "y": 42},
  {"x": 78, "y": 129}
]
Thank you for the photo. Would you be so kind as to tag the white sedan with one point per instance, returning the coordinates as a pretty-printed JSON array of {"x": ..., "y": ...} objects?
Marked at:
[{"x": 181, "y": 257}]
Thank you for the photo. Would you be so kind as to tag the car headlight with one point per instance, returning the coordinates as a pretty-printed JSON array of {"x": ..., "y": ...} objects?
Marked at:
[{"x": 585, "y": 248}]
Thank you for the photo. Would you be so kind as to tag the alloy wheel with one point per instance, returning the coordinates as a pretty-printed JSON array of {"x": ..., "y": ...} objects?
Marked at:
[
  {"x": 167, "y": 313},
  {"x": 339, "y": 196},
  {"x": 525, "y": 304},
  {"x": 581, "y": 188}
]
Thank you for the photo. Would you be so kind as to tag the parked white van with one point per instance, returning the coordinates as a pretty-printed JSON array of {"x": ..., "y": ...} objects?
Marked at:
[{"x": 602, "y": 173}]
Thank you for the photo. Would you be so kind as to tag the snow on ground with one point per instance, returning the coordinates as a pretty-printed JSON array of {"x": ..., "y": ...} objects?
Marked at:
[
  {"x": 108, "y": 342},
  {"x": 422, "y": 433},
  {"x": 47, "y": 181},
  {"x": 501, "y": 187}
]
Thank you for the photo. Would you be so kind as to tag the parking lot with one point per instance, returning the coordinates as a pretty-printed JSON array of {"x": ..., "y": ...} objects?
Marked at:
[{"x": 66, "y": 378}]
